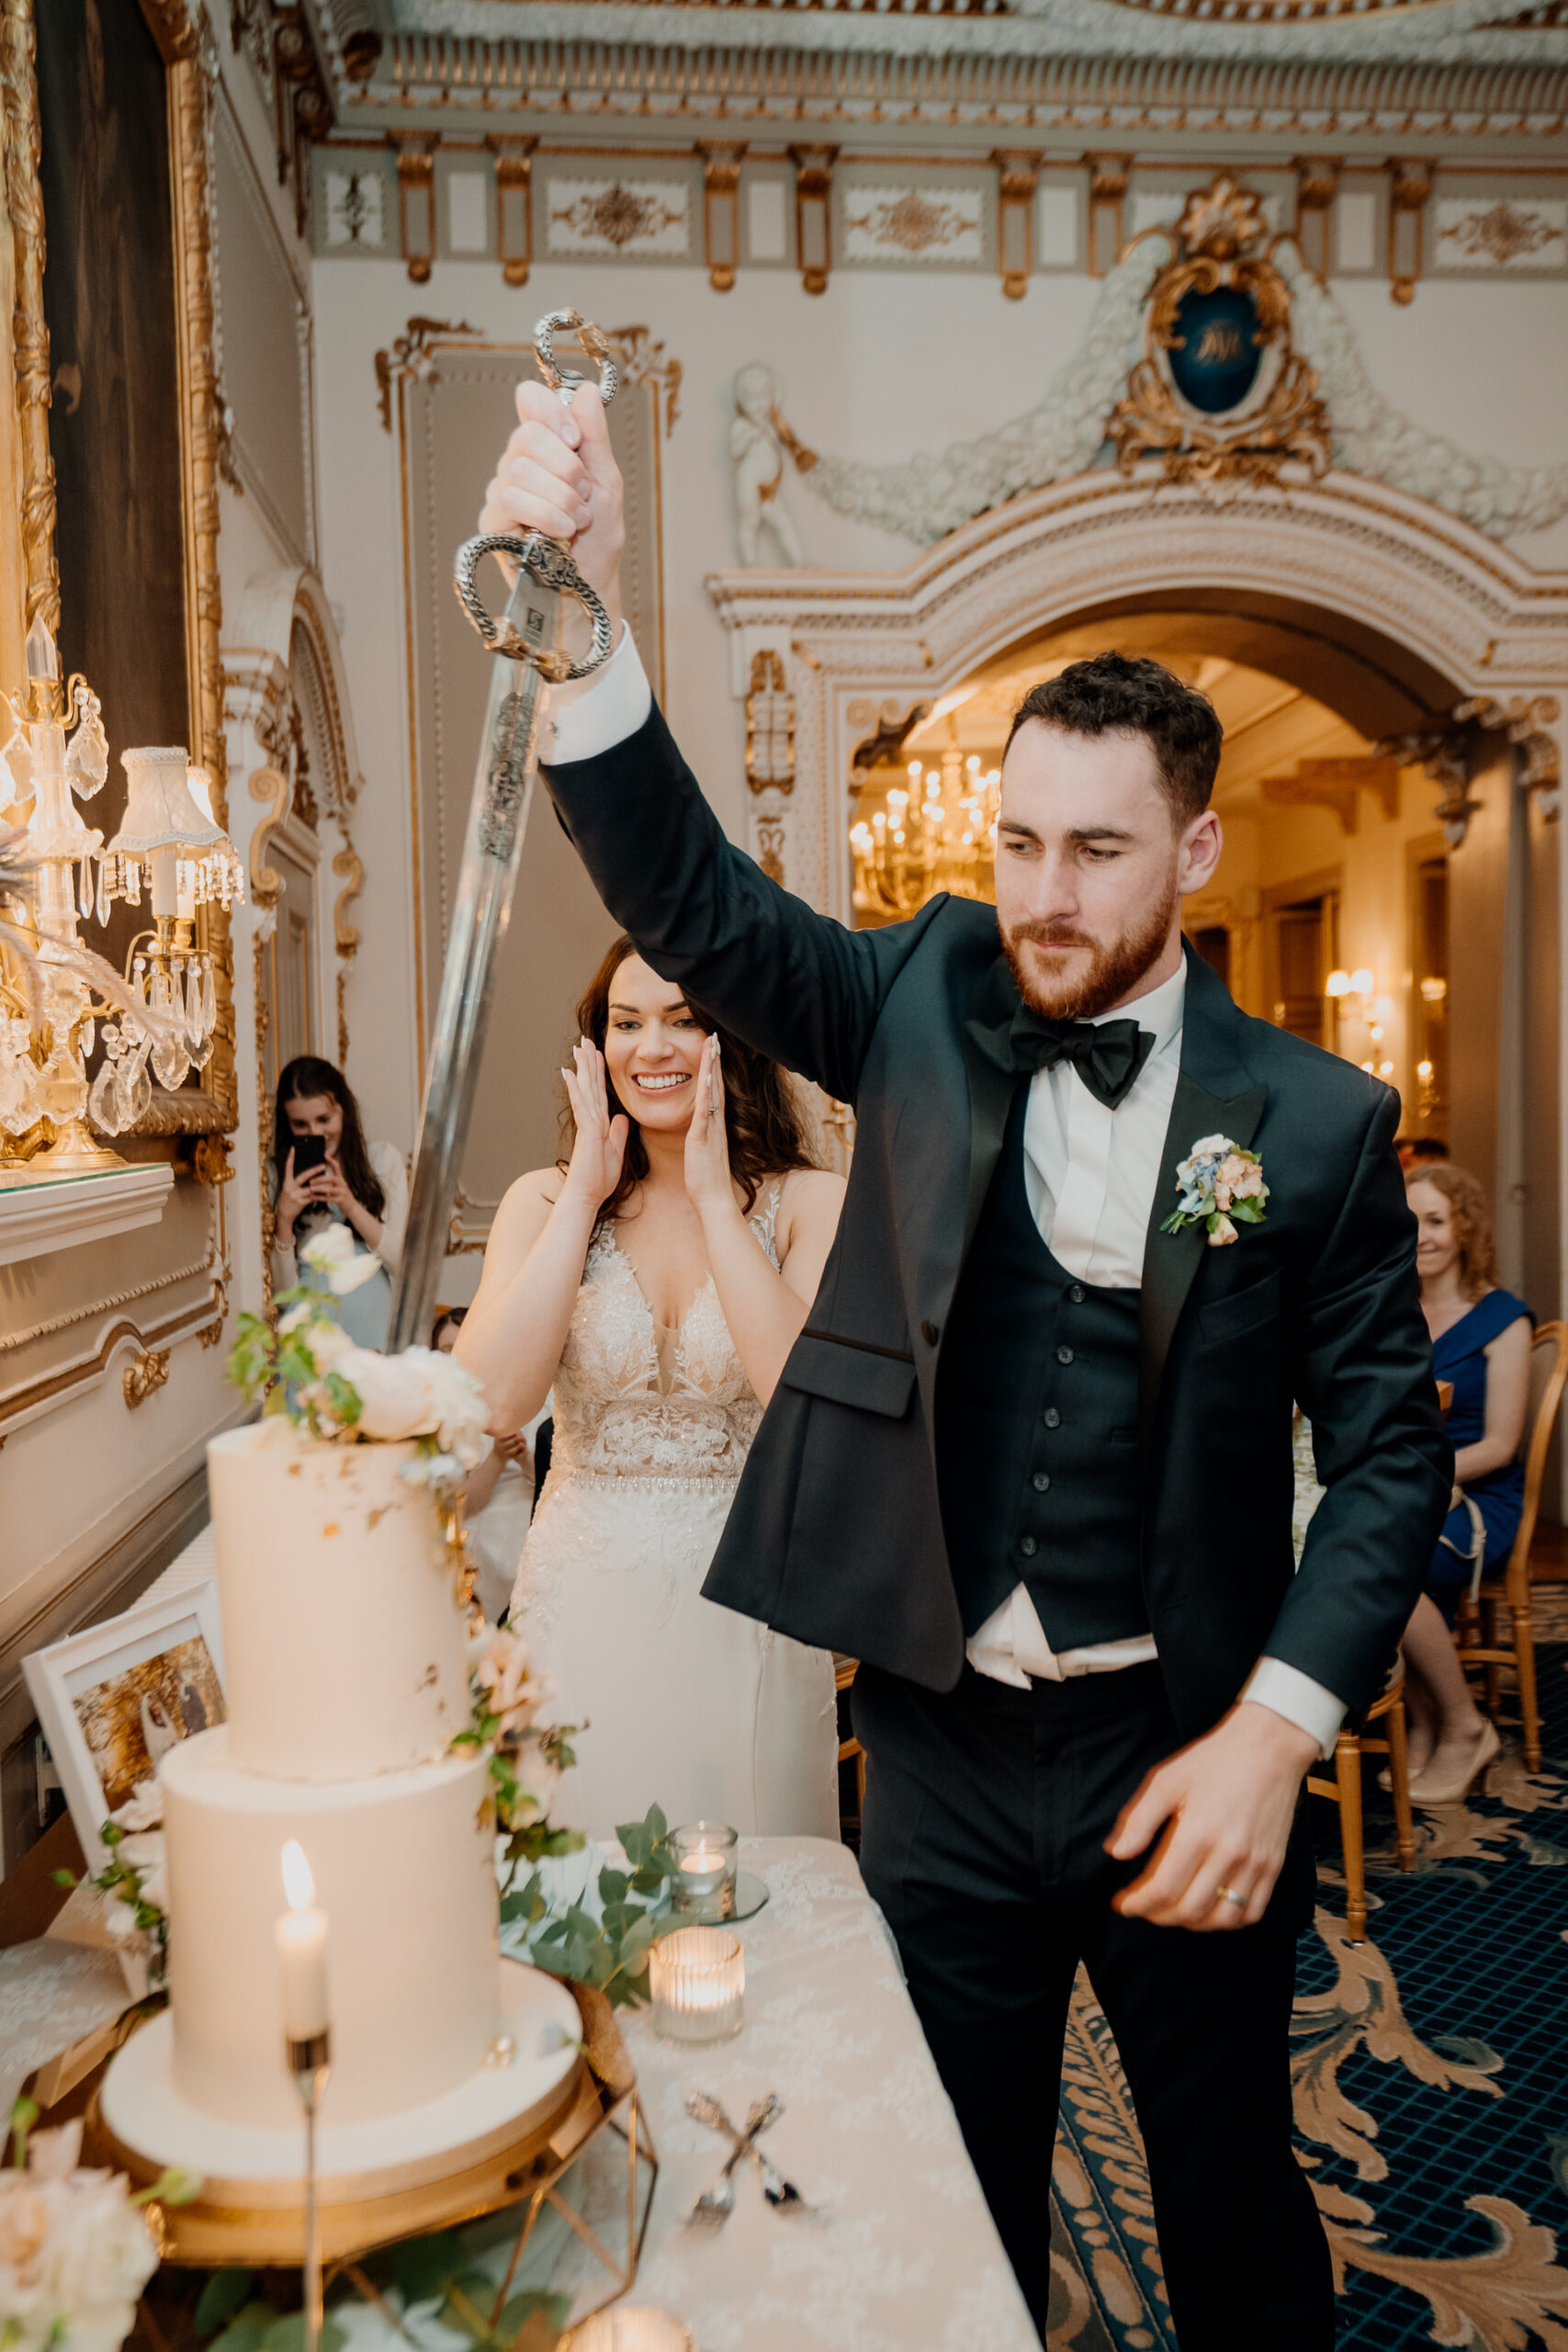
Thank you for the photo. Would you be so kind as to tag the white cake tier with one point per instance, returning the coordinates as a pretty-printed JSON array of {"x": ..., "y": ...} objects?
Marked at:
[
  {"x": 248, "y": 2164},
  {"x": 404, "y": 1869},
  {"x": 343, "y": 1642}
]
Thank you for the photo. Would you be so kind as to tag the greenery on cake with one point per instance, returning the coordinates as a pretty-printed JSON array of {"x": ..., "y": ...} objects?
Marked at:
[
  {"x": 526, "y": 1759},
  {"x": 308, "y": 1369}
]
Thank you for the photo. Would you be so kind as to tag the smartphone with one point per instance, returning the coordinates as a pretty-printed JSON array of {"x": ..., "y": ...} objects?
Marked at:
[{"x": 310, "y": 1151}]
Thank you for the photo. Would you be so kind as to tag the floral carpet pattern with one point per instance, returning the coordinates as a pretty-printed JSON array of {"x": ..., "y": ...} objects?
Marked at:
[{"x": 1431, "y": 2081}]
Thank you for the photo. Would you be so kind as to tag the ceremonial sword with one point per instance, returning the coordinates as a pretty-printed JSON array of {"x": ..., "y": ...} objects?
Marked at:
[{"x": 527, "y": 643}]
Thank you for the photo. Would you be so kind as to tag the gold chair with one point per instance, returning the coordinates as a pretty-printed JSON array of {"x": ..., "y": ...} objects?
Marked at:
[
  {"x": 1476, "y": 1624},
  {"x": 844, "y": 1672},
  {"x": 1345, "y": 1790}
]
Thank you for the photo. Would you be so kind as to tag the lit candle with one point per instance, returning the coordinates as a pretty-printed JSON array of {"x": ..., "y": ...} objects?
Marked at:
[
  {"x": 706, "y": 1859},
  {"x": 302, "y": 1938},
  {"x": 698, "y": 1978}
]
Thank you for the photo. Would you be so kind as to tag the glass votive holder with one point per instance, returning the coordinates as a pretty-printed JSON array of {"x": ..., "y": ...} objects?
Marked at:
[
  {"x": 698, "y": 1978},
  {"x": 704, "y": 1885},
  {"x": 641, "y": 2328}
]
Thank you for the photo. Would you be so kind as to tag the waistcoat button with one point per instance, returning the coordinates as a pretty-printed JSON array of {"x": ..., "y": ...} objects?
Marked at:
[
  {"x": 1077, "y": 1293},
  {"x": 1064, "y": 1356},
  {"x": 1052, "y": 1418},
  {"x": 1040, "y": 1482},
  {"x": 1029, "y": 1547},
  {"x": 931, "y": 1333}
]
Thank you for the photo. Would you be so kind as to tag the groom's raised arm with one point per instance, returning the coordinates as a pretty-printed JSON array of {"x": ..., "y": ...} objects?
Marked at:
[{"x": 793, "y": 983}]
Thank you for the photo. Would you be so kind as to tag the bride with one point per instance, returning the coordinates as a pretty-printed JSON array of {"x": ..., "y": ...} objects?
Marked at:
[{"x": 658, "y": 1284}]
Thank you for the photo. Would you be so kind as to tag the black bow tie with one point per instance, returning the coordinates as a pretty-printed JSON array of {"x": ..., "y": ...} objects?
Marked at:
[{"x": 1107, "y": 1055}]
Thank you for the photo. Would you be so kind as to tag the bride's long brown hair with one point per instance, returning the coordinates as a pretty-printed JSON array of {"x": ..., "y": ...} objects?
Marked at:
[{"x": 763, "y": 1120}]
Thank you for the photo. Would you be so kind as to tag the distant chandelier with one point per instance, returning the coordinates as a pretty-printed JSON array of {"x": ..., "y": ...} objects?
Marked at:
[{"x": 939, "y": 833}]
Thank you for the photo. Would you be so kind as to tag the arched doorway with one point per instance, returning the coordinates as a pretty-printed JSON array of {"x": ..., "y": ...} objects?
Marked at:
[{"x": 1390, "y": 683}]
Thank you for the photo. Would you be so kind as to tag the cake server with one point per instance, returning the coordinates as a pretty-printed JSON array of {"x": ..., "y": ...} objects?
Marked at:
[{"x": 526, "y": 640}]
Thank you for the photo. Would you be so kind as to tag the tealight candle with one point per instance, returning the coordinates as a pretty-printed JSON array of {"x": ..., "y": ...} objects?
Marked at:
[
  {"x": 705, "y": 1881},
  {"x": 697, "y": 1977},
  {"x": 639, "y": 2329},
  {"x": 300, "y": 1936}
]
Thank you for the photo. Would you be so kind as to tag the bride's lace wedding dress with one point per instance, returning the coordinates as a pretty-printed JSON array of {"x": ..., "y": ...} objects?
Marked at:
[{"x": 690, "y": 1705}]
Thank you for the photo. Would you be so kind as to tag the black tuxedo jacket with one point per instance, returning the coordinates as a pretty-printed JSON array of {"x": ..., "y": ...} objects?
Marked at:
[{"x": 836, "y": 1535}]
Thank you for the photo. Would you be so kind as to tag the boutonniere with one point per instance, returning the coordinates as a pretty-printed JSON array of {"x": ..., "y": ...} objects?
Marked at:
[{"x": 1220, "y": 1188}]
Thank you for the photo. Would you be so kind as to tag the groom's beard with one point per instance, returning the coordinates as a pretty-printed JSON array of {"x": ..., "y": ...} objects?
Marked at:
[{"x": 1114, "y": 966}]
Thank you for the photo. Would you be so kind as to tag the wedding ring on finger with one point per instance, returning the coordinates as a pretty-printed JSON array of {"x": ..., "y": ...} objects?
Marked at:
[{"x": 1229, "y": 1894}]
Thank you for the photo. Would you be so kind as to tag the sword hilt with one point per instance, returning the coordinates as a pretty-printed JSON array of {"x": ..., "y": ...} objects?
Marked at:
[
  {"x": 566, "y": 380},
  {"x": 544, "y": 560}
]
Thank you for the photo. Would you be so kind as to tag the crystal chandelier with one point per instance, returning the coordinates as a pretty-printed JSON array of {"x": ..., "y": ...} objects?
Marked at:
[
  {"x": 46, "y": 987},
  {"x": 169, "y": 843},
  {"x": 938, "y": 832},
  {"x": 56, "y": 995}
]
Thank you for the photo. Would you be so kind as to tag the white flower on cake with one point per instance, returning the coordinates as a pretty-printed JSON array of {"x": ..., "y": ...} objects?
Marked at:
[
  {"x": 419, "y": 1394},
  {"x": 335, "y": 1253},
  {"x": 75, "y": 2250}
]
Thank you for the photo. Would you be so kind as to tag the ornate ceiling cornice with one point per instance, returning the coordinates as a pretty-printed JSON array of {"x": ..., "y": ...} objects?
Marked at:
[
  {"x": 1442, "y": 32},
  {"x": 592, "y": 81}
]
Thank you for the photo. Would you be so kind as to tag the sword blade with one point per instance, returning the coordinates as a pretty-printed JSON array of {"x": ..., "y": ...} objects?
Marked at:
[{"x": 492, "y": 848}]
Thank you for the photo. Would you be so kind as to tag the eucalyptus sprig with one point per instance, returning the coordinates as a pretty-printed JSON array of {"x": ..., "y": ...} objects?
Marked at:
[{"x": 610, "y": 1953}]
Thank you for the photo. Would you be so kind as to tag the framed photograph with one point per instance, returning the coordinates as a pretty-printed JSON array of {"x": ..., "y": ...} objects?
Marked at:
[{"x": 115, "y": 1699}]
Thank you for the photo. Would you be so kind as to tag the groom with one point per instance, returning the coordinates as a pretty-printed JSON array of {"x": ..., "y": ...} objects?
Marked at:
[{"x": 1030, "y": 1458}]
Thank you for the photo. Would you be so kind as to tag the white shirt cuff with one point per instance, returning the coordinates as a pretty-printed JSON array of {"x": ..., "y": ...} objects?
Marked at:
[
  {"x": 1289, "y": 1692},
  {"x": 587, "y": 716}
]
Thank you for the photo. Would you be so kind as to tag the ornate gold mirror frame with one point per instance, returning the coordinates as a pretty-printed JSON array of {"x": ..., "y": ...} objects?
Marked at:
[{"x": 213, "y": 1110}]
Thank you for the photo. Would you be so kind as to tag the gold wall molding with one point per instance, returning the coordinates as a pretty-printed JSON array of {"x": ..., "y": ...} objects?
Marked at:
[
  {"x": 143, "y": 1375},
  {"x": 25, "y": 1336},
  {"x": 30, "y": 335},
  {"x": 411, "y": 354}
]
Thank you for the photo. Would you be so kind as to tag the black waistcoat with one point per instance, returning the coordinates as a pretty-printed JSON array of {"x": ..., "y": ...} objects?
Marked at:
[{"x": 1036, "y": 1432}]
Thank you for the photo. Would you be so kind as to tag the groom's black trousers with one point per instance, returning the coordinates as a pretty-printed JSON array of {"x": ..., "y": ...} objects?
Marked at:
[{"x": 986, "y": 1809}]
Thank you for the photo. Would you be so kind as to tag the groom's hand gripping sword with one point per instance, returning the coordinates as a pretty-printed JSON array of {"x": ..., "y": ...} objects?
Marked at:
[{"x": 525, "y": 642}]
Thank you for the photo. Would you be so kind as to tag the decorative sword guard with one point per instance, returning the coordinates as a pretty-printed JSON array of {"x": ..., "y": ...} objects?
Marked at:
[{"x": 525, "y": 640}]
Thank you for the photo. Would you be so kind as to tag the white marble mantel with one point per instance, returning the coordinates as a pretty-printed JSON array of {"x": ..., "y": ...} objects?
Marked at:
[{"x": 63, "y": 1212}]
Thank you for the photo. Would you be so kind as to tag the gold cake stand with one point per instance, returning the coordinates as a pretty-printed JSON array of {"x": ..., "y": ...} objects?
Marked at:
[{"x": 599, "y": 2098}]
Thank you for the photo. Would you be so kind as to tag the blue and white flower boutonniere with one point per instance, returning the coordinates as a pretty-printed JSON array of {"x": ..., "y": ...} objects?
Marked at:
[{"x": 1220, "y": 1188}]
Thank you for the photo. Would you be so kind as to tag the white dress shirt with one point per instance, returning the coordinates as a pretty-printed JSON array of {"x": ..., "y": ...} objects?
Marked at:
[{"x": 1090, "y": 1175}]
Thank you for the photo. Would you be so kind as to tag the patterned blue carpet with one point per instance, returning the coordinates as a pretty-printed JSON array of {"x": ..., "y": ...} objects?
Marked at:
[{"x": 1431, "y": 2083}]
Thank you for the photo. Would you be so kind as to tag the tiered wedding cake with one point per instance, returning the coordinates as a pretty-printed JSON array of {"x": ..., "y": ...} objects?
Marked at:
[{"x": 346, "y": 1680}]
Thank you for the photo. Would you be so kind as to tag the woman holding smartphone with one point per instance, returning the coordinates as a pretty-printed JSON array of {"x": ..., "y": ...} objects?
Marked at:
[{"x": 327, "y": 1174}]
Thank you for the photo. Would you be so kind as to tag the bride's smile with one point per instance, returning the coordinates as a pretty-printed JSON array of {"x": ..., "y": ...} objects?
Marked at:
[{"x": 653, "y": 1049}]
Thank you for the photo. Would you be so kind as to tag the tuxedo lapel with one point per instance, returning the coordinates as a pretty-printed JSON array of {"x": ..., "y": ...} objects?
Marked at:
[
  {"x": 1207, "y": 1102},
  {"x": 992, "y": 1084}
]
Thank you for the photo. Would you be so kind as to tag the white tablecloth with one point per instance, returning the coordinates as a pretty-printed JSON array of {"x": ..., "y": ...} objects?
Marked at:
[{"x": 905, "y": 2257}]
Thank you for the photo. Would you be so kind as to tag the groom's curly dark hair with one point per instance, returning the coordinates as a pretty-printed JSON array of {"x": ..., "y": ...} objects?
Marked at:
[
  {"x": 1116, "y": 694},
  {"x": 764, "y": 1121}
]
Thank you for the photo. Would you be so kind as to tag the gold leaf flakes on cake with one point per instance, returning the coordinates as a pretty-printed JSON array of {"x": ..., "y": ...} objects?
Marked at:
[{"x": 331, "y": 1528}]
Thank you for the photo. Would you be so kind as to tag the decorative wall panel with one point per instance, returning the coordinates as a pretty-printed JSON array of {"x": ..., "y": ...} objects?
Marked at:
[
  {"x": 612, "y": 217},
  {"x": 928, "y": 224},
  {"x": 1495, "y": 232}
]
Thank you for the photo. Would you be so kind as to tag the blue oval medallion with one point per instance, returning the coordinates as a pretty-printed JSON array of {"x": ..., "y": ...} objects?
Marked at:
[{"x": 1215, "y": 363}]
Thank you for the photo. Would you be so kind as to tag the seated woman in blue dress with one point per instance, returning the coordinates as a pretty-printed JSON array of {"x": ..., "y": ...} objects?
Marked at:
[{"x": 1481, "y": 1340}]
